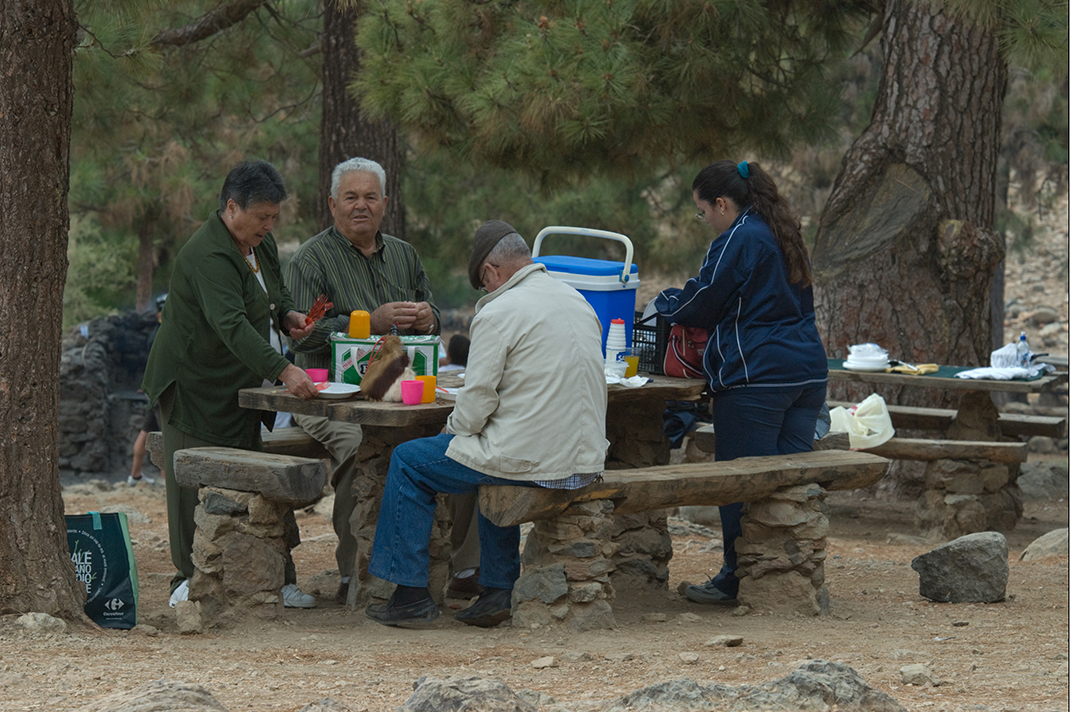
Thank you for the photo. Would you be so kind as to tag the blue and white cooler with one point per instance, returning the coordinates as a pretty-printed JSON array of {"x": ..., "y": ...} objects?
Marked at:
[{"x": 607, "y": 286}]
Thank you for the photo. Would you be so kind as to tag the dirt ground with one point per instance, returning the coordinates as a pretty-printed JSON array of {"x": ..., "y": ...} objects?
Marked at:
[{"x": 1006, "y": 656}]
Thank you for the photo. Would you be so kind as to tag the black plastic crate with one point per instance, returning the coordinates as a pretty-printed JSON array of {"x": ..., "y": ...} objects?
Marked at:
[{"x": 651, "y": 338}]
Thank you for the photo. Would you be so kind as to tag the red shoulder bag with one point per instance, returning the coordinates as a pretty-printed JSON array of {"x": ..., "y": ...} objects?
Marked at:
[{"x": 683, "y": 353}]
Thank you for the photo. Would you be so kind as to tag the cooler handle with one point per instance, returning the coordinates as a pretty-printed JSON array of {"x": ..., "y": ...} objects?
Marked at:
[{"x": 590, "y": 232}]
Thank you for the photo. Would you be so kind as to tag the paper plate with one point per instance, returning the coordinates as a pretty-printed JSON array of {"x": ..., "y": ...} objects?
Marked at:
[
  {"x": 339, "y": 390},
  {"x": 865, "y": 367}
]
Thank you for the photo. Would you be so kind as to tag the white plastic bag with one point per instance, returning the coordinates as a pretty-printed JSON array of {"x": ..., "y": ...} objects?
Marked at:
[{"x": 869, "y": 424}]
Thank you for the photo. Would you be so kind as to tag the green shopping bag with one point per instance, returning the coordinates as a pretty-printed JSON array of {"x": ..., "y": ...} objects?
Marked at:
[{"x": 104, "y": 561}]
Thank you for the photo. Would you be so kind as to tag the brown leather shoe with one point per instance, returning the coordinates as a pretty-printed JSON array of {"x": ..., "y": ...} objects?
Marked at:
[{"x": 464, "y": 588}]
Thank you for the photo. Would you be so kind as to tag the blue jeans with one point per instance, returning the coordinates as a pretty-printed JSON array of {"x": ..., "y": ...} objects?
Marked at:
[
  {"x": 751, "y": 423},
  {"x": 419, "y": 469}
]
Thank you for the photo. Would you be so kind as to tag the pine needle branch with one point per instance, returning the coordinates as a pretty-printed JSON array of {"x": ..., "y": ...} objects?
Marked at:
[{"x": 206, "y": 25}]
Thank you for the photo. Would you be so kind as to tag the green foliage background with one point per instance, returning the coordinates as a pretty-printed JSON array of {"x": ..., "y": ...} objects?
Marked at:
[{"x": 155, "y": 130}]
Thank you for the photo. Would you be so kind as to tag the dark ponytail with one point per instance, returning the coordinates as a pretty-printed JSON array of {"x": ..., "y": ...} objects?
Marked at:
[{"x": 747, "y": 184}]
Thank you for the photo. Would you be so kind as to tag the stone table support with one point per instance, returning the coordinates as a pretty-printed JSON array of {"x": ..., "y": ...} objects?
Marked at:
[
  {"x": 373, "y": 462},
  {"x": 967, "y": 496}
]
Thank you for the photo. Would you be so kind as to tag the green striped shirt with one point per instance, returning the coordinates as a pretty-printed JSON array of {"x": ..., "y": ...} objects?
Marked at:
[{"x": 329, "y": 264}]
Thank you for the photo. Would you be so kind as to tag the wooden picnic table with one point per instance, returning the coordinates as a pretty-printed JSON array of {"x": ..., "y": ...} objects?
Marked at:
[
  {"x": 971, "y": 474},
  {"x": 977, "y": 415},
  {"x": 634, "y": 428},
  {"x": 945, "y": 378},
  {"x": 396, "y": 415}
]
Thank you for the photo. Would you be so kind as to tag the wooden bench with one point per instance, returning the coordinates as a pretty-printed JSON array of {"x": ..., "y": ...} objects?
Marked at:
[
  {"x": 913, "y": 418},
  {"x": 280, "y": 441},
  {"x": 569, "y": 556},
  {"x": 245, "y": 522},
  {"x": 897, "y": 448}
]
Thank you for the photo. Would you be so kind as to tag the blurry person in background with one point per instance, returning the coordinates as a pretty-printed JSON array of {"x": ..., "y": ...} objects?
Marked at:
[
  {"x": 456, "y": 354},
  {"x": 151, "y": 421}
]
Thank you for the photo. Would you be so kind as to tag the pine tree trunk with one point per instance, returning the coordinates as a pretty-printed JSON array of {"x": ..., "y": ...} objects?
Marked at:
[
  {"x": 345, "y": 132},
  {"x": 36, "y": 88},
  {"x": 146, "y": 258},
  {"x": 905, "y": 253}
]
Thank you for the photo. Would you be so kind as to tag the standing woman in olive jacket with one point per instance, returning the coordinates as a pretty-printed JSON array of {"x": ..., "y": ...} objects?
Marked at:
[
  {"x": 219, "y": 333},
  {"x": 764, "y": 362}
]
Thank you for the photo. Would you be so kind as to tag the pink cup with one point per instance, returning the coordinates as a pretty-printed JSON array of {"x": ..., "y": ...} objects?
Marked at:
[
  {"x": 318, "y": 375},
  {"x": 412, "y": 392}
]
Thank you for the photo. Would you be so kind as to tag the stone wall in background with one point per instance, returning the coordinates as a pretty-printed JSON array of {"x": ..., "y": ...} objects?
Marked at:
[{"x": 100, "y": 408}]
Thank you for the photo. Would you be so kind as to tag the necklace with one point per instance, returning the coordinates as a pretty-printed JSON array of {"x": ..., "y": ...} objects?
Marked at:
[{"x": 254, "y": 264}]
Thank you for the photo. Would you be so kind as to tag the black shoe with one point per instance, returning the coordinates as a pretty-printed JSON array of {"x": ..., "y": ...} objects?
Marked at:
[
  {"x": 414, "y": 614},
  {"x": 493, "y": 606},
  {"x": 466, "y": 588},
  {"x": 709, "y": 594}
]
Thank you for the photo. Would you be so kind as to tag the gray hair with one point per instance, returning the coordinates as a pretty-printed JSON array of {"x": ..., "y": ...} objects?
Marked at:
[
  {"x": 509, "y": 250},
  {"x": 352, "y": 166}
]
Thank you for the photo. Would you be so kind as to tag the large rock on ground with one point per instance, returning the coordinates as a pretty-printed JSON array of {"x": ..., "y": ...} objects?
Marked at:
[
  {"x": 1043, "y": 480},
  {"x": 1054, "y": 543},
  {"x": 432, "y": 694},
  {"x": 970, "y": 569},
  {"x": 159, "y": 696},
  {"x": 816, "y": 685}
]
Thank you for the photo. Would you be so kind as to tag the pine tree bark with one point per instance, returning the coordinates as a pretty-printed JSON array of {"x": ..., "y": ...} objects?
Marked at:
[
  {"x": 36, "y": 89},
  {"x": 146, "y": 257},
  {"x": 905, "y": 254},
  {"x": 345, "y": 132}
]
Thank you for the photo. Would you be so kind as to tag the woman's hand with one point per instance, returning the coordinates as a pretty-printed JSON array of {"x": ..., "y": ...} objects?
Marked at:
[
  {"x": 296, "y": 326},
  {"x": 298, "y": 382}
]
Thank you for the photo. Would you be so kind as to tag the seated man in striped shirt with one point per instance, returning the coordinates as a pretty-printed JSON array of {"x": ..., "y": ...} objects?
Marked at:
[
  {"x": 532, "y": 412},
  {"x": 357, "y": 267}
]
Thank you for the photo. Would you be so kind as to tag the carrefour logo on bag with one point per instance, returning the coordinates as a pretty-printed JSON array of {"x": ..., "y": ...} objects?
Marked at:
[{"x": 90, "y": 563}]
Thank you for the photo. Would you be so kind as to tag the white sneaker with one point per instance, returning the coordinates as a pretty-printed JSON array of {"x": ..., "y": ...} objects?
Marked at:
[
  {"x": 181, "y": 593},
  {"x": 292, "y": 597},
  {"x": 133, "y": 481}
]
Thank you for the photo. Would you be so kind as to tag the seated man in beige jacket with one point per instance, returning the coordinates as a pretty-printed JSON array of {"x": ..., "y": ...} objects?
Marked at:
[{"x": 532, "y": 412}]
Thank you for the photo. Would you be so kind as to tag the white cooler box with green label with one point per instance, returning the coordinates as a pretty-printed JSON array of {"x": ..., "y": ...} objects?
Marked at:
[{"x": 349, "y": 356}]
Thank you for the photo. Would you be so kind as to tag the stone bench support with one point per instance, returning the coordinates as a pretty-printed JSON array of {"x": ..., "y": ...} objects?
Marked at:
[
  {"x": 782, "y": 552},
  {"x": 245, "y": 524},
  {"x": 581, "y": 540}
]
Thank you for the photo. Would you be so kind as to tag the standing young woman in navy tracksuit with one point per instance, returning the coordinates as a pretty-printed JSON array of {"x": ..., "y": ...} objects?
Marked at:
[{"x": 764, "y": 362}]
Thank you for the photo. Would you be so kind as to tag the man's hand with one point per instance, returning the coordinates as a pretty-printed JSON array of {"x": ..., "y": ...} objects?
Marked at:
[
  {"x": 407, "y": 315},
  {"x": 295, "y": 324},
  {"x": 425, "y": 318},
  {"x": 298, "y": 382}
]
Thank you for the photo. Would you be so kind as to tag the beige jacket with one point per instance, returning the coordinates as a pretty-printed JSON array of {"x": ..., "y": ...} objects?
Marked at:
[{"x": 533, "y": 405}]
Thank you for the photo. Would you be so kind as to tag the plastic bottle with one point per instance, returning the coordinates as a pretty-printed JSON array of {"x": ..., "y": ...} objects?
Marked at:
[{"x": 1024, "y": 354}]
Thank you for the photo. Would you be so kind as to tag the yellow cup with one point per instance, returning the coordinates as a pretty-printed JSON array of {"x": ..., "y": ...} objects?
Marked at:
[
  {"x": 360, "y": 324},
  {"x": 430, "y": 383},
  {"x": 632, "y": 359}
]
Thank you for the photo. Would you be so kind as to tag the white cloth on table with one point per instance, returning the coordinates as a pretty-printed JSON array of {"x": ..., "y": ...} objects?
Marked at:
[
  {"x": 1006, "y": 374},
  {"x": 1005, "y": 367}
]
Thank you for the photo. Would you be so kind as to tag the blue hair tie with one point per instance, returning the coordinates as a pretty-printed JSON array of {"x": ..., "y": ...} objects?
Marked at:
[{"x": 744, "y": 170}]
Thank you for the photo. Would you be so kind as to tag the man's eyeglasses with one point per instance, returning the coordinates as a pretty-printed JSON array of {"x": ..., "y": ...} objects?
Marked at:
[
  {"x": 701, "y": 216},
  {"x": 483, "y": 278}
]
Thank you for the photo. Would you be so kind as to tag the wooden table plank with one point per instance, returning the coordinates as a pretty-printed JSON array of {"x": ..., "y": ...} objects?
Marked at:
[
  {"x": 1044, "y": 383},
  {"x": 364, "y": 412}
]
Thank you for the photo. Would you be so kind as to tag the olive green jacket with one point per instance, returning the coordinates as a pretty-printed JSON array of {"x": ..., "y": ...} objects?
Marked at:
[{"x": 214, "y": 336}]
